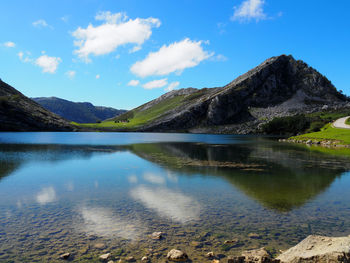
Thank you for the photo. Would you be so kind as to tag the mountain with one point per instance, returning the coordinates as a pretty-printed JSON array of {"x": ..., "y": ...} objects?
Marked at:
[
  {"x": 19, "y": 113},
  {"x": 280, "y": 86},
  {"x": 81, "y": 112}
]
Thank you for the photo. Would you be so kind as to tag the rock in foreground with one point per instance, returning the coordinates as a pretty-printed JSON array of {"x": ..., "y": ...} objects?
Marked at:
[{"x": 318, "y": 249}]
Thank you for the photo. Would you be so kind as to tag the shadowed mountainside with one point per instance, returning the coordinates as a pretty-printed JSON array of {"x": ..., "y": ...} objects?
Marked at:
[
  {"x": 19, "y": 113},
  {"x": 81, "y": 112}
]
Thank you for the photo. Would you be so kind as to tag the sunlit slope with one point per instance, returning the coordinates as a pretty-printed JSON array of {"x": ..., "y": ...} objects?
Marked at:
[{"x": 147, "y": 113}]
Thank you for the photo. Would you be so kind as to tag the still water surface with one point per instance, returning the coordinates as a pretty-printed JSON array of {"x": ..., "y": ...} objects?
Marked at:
[{"x": 92, "y": 193}]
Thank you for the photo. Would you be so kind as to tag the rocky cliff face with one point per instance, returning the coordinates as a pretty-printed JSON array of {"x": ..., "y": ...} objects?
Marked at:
[
  {"x": 280, "y": 86},
  {"x": 19, "y": 113},
  {"x": 81, "y": 112}
]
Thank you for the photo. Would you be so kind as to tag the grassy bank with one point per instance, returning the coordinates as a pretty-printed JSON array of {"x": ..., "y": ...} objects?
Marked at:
[
  {"x": 327, "y": 133},
  {"x": 348, "y": 121}
]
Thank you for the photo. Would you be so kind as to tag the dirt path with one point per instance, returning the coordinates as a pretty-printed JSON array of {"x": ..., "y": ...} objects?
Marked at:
[{"x": 340, "y": 123}]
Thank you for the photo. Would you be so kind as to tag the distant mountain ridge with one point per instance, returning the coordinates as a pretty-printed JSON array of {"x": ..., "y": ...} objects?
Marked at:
[
  {"x": 19, "y": 113},
  {"x": 81, "y": 112},
  {"x": 280, "y": 86}
]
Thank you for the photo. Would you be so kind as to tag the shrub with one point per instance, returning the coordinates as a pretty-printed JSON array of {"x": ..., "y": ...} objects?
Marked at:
[{"x": 287, "y": 125}]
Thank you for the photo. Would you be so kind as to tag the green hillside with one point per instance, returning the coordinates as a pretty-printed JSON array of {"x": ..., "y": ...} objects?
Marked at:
[{"x": 148, "y": 112}]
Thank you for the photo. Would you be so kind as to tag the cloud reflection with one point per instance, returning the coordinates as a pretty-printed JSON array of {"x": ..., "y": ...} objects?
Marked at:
[
  {"x": 103, "y": 222},
  {"x": 154, "y": 178},
  {"x": 167, "y": 203},
  {"x": 46, "y": 195}
]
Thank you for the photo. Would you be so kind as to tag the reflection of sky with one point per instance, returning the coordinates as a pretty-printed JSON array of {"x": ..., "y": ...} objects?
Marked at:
[
  {"x": 103, "y": 222},
  {"x": 46, "y": 195},
  {"x": 167, "y": 203},
  {"x": 110, "y": 138}
]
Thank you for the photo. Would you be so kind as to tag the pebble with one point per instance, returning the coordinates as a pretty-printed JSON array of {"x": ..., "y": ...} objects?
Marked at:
[
  {"x": 99, "y": 245},
  {"x": 231, "y": 241},
  {"x": 105, "y": 256},
  {"x": 210, "y": 254},
  {"x": 156, "y": 235},
  {"x": 65, "y": 256}
]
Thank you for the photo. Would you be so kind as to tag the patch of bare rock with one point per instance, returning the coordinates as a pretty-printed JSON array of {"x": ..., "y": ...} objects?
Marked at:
[{"x": 314, "y": 249}]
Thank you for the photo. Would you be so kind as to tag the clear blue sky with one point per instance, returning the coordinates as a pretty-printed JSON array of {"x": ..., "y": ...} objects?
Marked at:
[{"x": 123, "y": 53}]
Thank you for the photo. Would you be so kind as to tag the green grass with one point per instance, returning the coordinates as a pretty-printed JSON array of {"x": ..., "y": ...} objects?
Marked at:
[
  {"x": 327, "y": 133},
  {"x": 138, "y": 117},
  {"x": 347, "y": 121}
]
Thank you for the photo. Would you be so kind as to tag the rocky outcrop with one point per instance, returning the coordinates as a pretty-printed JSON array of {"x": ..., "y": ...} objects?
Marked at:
[
  {"x": 314, "y": 249},
  {"x": 280, "y": 86},
  {"x": 19, "y": 113}
]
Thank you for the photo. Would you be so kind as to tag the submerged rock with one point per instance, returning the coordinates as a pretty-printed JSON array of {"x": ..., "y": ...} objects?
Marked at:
[
  {"x": 105, "y": 256},
  {"x": 157, "y": 235},
  {"x": 210, "y": 254},
  {"x": 177, "y": 255},
  {"x": 318, "y": 249},
  {"x": 256, "y": 255},
  {"x": 65, "y": 256},
  {"x": 130, "y": 259},
  {"x": 99, "y": 245},
  {"x": 233, "y": 241}
]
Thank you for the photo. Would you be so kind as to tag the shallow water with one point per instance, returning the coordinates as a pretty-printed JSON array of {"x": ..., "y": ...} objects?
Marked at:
[{"x": 93, "y": 193}]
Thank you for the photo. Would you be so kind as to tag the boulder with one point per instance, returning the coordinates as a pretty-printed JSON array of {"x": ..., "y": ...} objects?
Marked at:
[
  {"x": 318, "y": 249},
  {"x": 177, "y": 255}
]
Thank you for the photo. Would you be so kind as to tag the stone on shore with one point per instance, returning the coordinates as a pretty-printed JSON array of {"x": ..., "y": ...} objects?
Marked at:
[
  {"x": 177, "y": 255},
  {"x": 318, "y": 249}
]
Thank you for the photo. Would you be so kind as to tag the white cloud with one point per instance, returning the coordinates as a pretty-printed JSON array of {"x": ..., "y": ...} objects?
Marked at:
[
  {"x": 9, "y": 44},
  {"x": 154, "y": 84},
  {"x": 24, "y": 57},
  {"x": 71, "y": 74},
  {"x": 248, "y": 10},
  {"x": 65, "y": 19},
  {"x": 48, "y": 64},
  {"x": 173, "y": 58},
  {"x": 133, "y": 83},
  {"x": 98, "y": 76},
  {"x": 46, "y": 195},
  {"x": 172, "y": 86},
  {"x": 41, "y": 23},
  {"x": 117, "y": 30},
  {"x": 220, "y": 58},
  {"x": 20, "y": 55},
  {"x": 135, "y": 49}
]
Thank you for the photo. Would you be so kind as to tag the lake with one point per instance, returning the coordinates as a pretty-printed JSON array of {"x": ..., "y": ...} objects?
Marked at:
[{"x": 93, "y": 193}]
